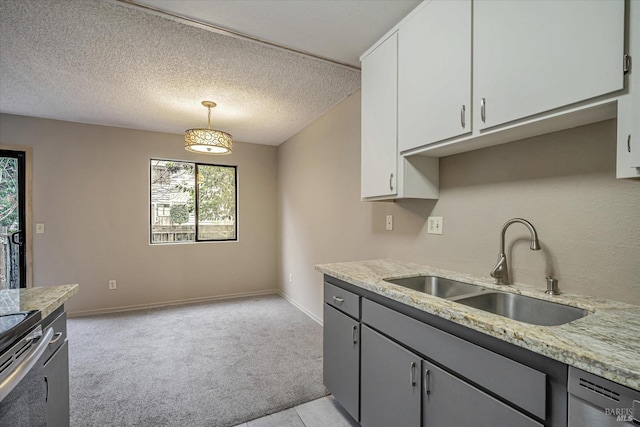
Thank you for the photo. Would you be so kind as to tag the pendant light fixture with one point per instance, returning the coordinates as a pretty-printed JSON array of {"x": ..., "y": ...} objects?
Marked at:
[{"x": 207, "y": 141}]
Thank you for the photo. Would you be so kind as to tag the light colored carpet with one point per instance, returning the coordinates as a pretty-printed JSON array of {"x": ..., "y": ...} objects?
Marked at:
[{"x": 215, "y": 365}]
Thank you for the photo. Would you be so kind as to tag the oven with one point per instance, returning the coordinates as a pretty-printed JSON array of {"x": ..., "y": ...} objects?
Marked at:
[{"x": 22, "y": 381}]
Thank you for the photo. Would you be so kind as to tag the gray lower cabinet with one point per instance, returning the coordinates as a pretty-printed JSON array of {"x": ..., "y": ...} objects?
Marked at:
[
  {"x": 56, "y": 372},
  {"x": 341, "y": 358},
  {"x": 396, "y": 383},
  {"x": 390, "y": 383},
  {"x": 410, "y": 370},
  {"x": 449, "y": 401}
]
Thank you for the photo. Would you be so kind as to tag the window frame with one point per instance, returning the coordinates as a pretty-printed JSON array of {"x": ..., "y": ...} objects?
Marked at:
[{"x": 196, "y": 164}]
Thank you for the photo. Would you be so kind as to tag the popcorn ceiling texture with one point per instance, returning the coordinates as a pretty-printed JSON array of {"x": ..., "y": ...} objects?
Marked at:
[{"x": 97, "y": 62}]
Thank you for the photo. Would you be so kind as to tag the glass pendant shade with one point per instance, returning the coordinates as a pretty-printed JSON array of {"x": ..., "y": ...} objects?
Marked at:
[{"x": 208, "y": 141}]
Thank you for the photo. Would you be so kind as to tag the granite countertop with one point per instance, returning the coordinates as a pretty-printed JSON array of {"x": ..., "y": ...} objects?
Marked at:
[
  {"x": 46, "y": 299},
  {"x": 604, "y": 343}
]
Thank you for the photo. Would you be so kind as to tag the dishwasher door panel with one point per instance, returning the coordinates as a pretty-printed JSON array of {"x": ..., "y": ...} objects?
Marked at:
[
  {"x": 584, "y": 414},
  {"x": 598, "y": 402}
]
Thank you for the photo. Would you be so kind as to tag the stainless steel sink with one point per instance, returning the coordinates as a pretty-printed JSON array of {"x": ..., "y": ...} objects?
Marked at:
[
  {"x": 437, "y": 286},
  {"x": 524, "y": 309}
]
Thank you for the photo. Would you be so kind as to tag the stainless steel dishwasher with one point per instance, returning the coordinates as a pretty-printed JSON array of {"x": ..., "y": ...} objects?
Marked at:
[{"x": 596, "y": 402}]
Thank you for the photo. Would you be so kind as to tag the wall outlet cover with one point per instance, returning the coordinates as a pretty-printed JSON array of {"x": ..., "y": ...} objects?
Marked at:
[{"x": 434, "y": 225}]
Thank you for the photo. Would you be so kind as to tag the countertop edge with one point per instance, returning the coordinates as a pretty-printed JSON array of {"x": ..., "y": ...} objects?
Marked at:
[{"x": 46, "y": 298}]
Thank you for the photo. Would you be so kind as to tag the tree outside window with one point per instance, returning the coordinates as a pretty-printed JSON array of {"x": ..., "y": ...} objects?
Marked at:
[{"x": 192, "y": 202}]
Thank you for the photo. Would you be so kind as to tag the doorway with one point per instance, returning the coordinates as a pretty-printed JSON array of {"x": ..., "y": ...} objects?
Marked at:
[{"x": 13, "y": 262}]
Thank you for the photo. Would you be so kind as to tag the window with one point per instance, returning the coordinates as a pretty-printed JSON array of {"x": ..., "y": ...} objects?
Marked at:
[{"x": 192, "y": 202}]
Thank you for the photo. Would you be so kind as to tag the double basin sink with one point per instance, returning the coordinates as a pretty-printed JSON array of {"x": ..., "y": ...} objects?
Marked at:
[{"x": 514, "y": 306}]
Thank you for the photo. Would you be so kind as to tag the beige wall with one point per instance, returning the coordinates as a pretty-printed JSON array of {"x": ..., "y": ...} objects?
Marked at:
[
  {"x": 90, "y": 188},
  {"x": 320, "y": 213},
  {"x": 564, "y": 183}
]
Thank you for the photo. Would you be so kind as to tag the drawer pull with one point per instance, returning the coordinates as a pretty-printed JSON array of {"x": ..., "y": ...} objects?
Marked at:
[
  {"x": 427, "y": 378},
  {"x": 55, "y": 338},
  {"x": 339, "y": 300}
]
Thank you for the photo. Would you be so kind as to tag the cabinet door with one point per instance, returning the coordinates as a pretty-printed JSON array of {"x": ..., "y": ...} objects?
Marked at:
[
  {"x": 628, "y": 157},
  {"x": 533, "y": 56},
  {"x": 341, "y": 358},
  {"x": 56, "y": 372},
  {"x": 449, "y": 401},
  {"x": 379, "y": 148},
  {"x": 390, "y": 383},
  {"x": 434, "y": 74}
]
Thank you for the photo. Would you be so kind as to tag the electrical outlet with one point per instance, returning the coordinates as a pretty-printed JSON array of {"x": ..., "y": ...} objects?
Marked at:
[
  {"x": 434, "y": 225},
  {"x": 290, "y": 278},
  {"x": 112, "y": 284},
  {"x": 389, "y": 222}
]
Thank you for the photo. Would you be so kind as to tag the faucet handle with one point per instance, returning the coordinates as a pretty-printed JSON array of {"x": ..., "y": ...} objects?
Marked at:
[{"x": 552, "y": 286}]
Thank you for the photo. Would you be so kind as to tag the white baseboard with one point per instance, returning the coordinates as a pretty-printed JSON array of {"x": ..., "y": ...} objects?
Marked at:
[
  {"x": 299, "y": 307},
  {"x": 177, "y": 302}
]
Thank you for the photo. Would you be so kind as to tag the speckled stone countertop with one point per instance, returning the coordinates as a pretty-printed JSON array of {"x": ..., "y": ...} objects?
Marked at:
[
  {"x": 605, "y": 343},
  {"x": 46, "y": 299}
]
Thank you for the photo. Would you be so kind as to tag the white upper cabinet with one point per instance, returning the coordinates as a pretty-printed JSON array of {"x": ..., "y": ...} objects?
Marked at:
[
  {"x": 532, "y": 56},
  {"x": 460, "y": 75},
  {"x": 379, "y": 148},
  {"x": 434, "y": 74},
  {"x": 628, "y": 156}
]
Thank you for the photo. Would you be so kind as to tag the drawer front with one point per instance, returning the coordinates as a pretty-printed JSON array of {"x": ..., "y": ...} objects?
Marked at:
[
  {"x": 344, "y": 301},
  {"x": 59, "y": 326},
  {"x": 517, "y": 383}
]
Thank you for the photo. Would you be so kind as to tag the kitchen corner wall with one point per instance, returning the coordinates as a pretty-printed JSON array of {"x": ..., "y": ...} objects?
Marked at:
[
  {"x": 564, "y": 183},
  {"x": 91, "y": 189}
]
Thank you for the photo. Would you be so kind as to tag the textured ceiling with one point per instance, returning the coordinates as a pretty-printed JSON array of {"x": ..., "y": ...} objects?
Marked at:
[{"x": 100, "y": 62}]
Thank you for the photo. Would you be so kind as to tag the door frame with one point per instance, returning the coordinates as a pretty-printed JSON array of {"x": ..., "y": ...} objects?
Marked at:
[{"x": 28, "y": 215}]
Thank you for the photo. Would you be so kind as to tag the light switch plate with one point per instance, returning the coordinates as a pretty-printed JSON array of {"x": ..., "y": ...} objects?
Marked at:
[
  {"x": 40, "y": 228},
  {"x": 434, "y": 225},
  {"x": 389, "y": 222}
]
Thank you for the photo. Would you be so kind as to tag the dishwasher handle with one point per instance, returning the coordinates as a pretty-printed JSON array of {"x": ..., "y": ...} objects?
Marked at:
[{"x": 23, "y": 368}]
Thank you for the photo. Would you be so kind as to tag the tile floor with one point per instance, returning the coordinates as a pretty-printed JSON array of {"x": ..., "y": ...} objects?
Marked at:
[{"x": 324, "y": 412}]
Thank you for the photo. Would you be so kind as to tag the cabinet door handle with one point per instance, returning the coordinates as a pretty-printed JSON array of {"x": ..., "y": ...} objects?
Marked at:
[
  {"x": 427, "y": 378},
  {"x": 339, "y": 300},
  {"x": 413, "y": 374},
  {"x": 355, "y": 334},
  {"x": 483, "y": 113},
  {"x": 463, "y": 116},
  {"x": 391, "y": 182},
  {"x": 629, "y": 143}
]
